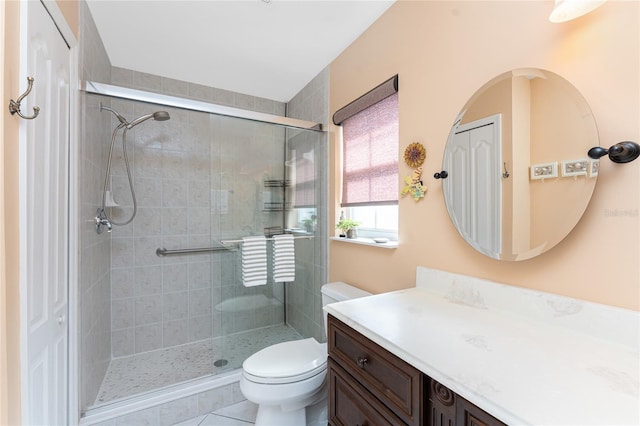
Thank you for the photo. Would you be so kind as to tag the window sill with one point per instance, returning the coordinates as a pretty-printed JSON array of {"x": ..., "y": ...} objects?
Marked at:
[{"x": 366, "y": 242}]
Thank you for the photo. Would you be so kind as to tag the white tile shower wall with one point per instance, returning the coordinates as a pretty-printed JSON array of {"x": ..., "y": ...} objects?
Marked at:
[
  {"x": 177, "y": 165},
  {"x": 304, "y": 301},
  {"x": 94, "y": 255}
]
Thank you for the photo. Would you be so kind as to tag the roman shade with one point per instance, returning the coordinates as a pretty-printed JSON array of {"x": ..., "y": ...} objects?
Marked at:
[{"x": 370, "y": 148}]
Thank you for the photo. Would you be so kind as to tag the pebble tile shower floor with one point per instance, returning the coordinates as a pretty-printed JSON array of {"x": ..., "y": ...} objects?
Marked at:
[{"x": 135, "y": 374}]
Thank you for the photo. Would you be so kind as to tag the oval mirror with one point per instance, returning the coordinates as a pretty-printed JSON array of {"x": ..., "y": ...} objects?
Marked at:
[{"x": 519, "y": 178}]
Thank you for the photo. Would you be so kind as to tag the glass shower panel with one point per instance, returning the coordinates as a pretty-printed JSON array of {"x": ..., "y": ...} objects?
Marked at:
[
  {"x": 306, "y": 168},
  {"x": 201, "y": 179},
  {"x": 250, "y": 200}
]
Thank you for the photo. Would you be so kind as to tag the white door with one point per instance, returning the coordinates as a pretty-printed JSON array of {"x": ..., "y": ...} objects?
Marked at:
[
  {"x": 44, "y": 184},
  {"x": 473, "y": 187}
]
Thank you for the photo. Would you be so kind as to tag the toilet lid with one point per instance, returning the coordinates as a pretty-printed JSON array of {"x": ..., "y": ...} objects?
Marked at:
[{"x": 287, "y": 362}]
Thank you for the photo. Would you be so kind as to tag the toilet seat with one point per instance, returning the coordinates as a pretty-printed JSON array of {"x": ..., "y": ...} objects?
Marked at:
[{"x": 287, "y": 362}]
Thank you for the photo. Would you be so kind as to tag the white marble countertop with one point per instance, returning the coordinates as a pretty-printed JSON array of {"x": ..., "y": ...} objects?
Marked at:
[{"x": 524, "y": 357}]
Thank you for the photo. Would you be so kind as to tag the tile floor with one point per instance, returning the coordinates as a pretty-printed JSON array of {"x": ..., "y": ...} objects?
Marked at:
[
  {"x": 241, "y": 414},
  {"x": 131, "y": 375},
  {"x": 244, "y": 413}
]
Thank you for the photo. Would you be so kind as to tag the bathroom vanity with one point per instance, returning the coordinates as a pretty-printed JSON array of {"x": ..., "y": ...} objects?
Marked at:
[
  {"x": 460, "y": 350},
  {"x": 368, "y": 385}
]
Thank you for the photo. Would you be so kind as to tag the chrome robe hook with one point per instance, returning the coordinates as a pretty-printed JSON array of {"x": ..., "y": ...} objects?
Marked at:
[{"x": 14, "y": 106}]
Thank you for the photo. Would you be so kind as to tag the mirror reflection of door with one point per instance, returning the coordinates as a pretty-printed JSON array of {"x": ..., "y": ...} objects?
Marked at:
[{"x": 473, "y": 188}]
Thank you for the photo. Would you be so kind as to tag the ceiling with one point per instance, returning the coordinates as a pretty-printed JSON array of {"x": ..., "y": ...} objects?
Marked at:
[{"x": 264, "y": 48}]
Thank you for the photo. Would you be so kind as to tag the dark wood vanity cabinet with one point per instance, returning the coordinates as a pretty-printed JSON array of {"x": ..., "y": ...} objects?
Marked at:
[{"x": 369, "y": 386}]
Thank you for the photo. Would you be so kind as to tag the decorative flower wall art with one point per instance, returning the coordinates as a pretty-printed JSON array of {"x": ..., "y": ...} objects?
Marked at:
[{"x": 414, "y": 156}]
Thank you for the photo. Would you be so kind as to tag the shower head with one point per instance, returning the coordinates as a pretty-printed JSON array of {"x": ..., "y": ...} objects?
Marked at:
[
  {"x": 161, "y": 116},
  {"x": 158, "y": 116}
]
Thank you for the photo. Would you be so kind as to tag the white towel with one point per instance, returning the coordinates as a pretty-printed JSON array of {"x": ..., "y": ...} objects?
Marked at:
[
  {"x": 254, "y": 261},
  {"x": 284, "y": 258}
]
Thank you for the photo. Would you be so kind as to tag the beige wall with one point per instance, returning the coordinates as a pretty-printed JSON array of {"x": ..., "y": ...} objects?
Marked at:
[
  {"x": 443, "y": 52},
  {"x": 11, "y": 319},
  {"x": 9, "y": 236},
  {"x": 71, "y": 13}
]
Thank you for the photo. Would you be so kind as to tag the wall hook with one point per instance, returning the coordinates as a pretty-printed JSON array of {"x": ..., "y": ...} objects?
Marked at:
[
  {"x": 441, "y": 175},
  {"x": 505, "y": 174},
  {"x": 14, "y": 106}
]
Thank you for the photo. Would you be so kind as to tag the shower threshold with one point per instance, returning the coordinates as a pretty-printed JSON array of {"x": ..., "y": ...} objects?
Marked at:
[{"x": 135, "y": 374}]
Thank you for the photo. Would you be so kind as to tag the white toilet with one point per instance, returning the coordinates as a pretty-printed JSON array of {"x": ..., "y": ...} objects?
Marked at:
[{"x": 284, "y": 379}]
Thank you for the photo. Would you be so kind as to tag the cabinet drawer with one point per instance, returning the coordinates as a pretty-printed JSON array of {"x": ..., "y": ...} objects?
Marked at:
[
  {"x": 387, "y": 377},
  {"x": 352, "y": 405}
]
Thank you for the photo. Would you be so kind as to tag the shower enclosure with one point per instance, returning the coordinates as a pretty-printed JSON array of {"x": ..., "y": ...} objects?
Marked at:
[{"x": 202, "y": 180}]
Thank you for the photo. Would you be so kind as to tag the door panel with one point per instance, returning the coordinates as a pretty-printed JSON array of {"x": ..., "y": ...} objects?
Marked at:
[{"x": 44, "y": 220}]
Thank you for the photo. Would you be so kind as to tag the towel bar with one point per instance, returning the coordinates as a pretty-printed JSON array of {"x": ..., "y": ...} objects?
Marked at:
[
  {"x": 297, "y": 237},
  {"x": 164, "y": 252},
  {"x": 160, "y": 252}
]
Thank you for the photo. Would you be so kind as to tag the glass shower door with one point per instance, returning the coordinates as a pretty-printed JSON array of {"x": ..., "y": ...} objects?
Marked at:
[{"x": 249, "y": 199}]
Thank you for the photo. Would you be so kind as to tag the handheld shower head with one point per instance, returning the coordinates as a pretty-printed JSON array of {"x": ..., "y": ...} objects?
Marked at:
[
  {"x": 158, "y": 116},
  {"x": 102, "y": 218},
  {"x": 161, "y": 116}
]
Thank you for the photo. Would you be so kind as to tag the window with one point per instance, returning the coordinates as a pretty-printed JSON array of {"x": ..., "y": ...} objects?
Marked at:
[
  {"x": 370, "y": 162},
  {"x": 376, "y": 221}
]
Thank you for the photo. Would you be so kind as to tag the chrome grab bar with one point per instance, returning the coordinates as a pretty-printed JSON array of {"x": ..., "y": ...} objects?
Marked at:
[{"x": 161, "y": 252}]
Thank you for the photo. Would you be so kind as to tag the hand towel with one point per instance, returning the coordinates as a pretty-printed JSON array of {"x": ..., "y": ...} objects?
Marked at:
[
  {"x": 254, "y": 261},
  {"x": 284, "y": 259}
]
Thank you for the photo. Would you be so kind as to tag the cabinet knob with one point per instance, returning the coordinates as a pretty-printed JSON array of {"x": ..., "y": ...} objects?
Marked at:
[{"x": 362, "y": 360}]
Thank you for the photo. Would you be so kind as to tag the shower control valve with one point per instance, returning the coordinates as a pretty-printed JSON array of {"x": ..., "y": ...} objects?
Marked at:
[{"x": 101, "y": 221}]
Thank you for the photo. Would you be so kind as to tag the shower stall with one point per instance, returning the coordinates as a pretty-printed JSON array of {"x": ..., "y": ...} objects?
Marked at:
[{"x": 155, "y": 313}]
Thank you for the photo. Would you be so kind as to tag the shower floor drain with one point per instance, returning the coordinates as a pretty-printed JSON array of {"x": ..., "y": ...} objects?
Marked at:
[{"x": 220, "y": 363}]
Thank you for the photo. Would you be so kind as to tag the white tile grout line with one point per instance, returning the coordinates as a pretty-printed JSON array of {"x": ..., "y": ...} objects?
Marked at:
[{"x": 226, "y": 417}]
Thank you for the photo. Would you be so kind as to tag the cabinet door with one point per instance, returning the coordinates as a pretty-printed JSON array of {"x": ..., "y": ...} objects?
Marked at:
[
  {"x": 388, "y": 378},
  {"x": 352, "y": 405},
  {"x": 468, "y": 414}
]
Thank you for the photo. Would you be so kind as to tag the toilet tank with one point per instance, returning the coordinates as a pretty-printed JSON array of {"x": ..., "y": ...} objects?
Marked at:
[{"x": 338, "y": 292}]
